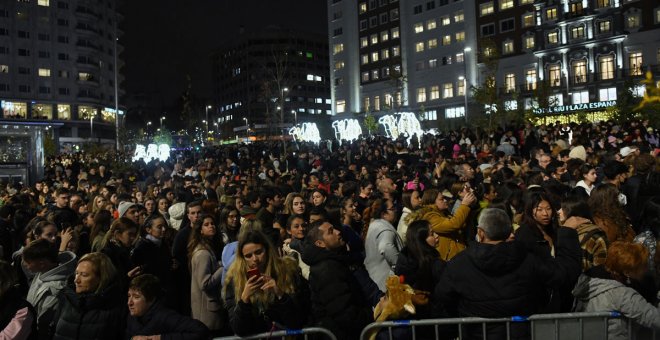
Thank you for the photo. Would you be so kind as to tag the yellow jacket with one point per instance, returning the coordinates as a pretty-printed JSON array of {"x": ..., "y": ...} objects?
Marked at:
[{"x": 449, "y": 228}]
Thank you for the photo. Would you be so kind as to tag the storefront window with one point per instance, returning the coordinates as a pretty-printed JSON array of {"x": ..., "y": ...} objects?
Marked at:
[
  {"x": 14, "y": 110},
  {"x": 63, "y": 111},
  {"x": 86, "y": 112},
  {"x": 108, "y": 115},
  {"x": 42, "y": 111}
]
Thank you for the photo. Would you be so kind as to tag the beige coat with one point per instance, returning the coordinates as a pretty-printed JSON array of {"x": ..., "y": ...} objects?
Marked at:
[{"x": 206, "y": 279}]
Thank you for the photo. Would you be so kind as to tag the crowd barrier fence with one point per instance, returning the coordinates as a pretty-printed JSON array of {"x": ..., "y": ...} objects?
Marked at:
[
  {"x": 284, "y": 334},
  {"x": 574, "y": 326}
]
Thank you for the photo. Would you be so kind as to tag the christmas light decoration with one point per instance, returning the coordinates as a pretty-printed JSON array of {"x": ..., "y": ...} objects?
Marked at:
[
  {"x": 306, "y": 132},
  {"x": 151, "y": 151},
  {"x": 347, "y": 129}
]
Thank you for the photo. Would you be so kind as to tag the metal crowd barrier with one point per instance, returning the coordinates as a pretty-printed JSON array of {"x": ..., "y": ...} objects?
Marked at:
[
  {"x": 284, "y": 334},
  {"x": 574, "y": 326}
]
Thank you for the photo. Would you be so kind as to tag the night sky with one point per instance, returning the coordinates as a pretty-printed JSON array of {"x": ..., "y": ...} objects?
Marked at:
[{"x": 166, "y": 39}]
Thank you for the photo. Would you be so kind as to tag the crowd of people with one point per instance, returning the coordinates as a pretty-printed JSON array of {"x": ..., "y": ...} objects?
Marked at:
[{"x": 245, "y": 239}]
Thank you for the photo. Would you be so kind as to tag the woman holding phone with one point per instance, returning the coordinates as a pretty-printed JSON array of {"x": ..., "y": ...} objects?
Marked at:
[{"x": 262, "y": 288}]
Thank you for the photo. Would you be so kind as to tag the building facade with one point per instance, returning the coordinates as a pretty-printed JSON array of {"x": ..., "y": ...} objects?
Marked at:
[
  {"x": 58, "y": 62},
  {"x": 265, "y": 82},
  {"x": 426, "y": 56},
  {"x": 580, "y": 56}
]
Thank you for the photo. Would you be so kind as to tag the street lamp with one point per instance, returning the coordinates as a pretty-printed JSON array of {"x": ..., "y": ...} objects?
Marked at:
[
  {"x": 465, "y": 81},
  {"x": 247, "y": 127},
  {"x": 207, "y": 118},
  {"x": 295, "y": 116},
  {"x": 161, "y": 121}
]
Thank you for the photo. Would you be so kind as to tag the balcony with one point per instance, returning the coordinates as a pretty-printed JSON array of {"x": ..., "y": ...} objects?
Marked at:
[
  {"x": 86, "y": 13},
  {"x": 88, "y": 95},
  {"x": 86, "y": 29},
  {"x": 86, "y": 46}
]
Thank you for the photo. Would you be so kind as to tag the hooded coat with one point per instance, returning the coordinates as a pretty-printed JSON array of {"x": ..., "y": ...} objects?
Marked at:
[
  {"x": 46, "y": 287},
  {"x": 595, "y": 294},
  {"x": 504, "y": 280}
]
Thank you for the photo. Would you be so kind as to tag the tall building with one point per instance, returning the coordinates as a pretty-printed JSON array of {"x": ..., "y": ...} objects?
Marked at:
[
  {"x": 584, "y": 53},
  {"x": 58, "y": 63},
  {"x": 426, "y": 55},
  {"x": 266, "y": 81},
  {"x": 391, "y": 55}
]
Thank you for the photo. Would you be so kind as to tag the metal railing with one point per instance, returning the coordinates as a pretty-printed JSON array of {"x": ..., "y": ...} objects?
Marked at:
[
  {"x": 283, "y": 334},
  {"x": 577, "y": 326}
]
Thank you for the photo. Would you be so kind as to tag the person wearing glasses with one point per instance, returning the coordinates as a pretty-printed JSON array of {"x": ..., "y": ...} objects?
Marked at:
[{"x": 382, "y": 243}]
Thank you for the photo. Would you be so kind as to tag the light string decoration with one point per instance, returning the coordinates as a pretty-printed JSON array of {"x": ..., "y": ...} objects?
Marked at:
[
  {"x": 347, "y": 129},
  {"x": 306, "y": 132}
]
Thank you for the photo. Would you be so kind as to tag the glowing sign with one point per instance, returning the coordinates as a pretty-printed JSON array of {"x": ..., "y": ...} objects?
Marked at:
[
  {"x": 347, "y": 129},
  {"x": 152, "y": 151},
  {"x": 306, "y": 132},
  {"x": 407, "y": 125}
]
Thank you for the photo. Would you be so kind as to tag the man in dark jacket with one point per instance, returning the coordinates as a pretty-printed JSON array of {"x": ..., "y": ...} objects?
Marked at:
[
  {"x": 339, "y": 302},
  {"x": 495, "y": 278}
]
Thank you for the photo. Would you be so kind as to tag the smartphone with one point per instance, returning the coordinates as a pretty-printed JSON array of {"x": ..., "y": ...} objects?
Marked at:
[{"x": 253, "y": 272}]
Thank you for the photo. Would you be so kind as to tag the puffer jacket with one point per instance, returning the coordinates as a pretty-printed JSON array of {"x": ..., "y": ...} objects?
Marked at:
[
  {"x": 91, "y": 316},
  {"x": 603, "y": 295},
  {"x": 46, "y": 287},
  {"x": 382, "y": 247}
]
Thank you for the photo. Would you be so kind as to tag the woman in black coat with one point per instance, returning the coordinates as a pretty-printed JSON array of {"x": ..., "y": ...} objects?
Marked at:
[
  {"x": 152, "y": 254},
  {"x": 91, "y": 304},
  {"x": 148, "y": 316}
]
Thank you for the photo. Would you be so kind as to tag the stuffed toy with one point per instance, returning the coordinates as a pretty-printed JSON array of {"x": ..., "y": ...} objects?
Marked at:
[{"x": 399, "y": 301}]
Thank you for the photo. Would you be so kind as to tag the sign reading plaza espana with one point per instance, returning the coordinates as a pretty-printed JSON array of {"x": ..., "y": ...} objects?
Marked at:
[{"x": 575, "y": 107}]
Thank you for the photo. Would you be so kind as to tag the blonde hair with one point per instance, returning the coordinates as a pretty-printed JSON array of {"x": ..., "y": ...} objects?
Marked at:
[
  {"x": 283, "y": 270},
  {"x": 103, "y": 268}
]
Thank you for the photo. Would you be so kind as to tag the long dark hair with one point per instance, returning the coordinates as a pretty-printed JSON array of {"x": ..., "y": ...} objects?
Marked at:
[
  {"x": 423, "y": 253},
  {"x": 214, "y": 244},
  {"x": 532, "y": 201},
  {"x": 232, "y": 234},
  {"x": 574, "y": 205}
]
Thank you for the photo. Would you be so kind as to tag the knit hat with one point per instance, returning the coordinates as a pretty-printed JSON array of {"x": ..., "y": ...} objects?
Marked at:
[
  {"x": 124, "y": 206},
  {"x": 485, "y": 166},
  {"x": 578, "y": 152},
  {"x": 176, "y": 212}
]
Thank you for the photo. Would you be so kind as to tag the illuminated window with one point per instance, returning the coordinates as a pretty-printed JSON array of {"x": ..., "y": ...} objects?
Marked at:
[
  {"x": 460, "y": 57},
  {"x": 364, "y": 59},
  {"x": 421, "y": 95},
  {"x": 580, "y": 97},
  {"x": 506, "y": 4},
  {"x": 526, "y": 2},
  {"x": 363, "y": 7},
  {"x": 553, "y": 37},
  {"x": 551, "y": 14},
  {"x": 460, "y": 36},
  {"x": 374, "y": 57},
  {"x": 395, "y": 32},
  {"x": 435, "y": 92},
  {"x": 528, "y": 20},
  {"x": 433, "y": 63},
  {"x": 365, "y": 76},
  {"x": 507, "y": 47},
  {"x": 86, "y": 112},
  {"x": 377, "y": 103},
  {"x": 635, "y": 60},
  {"x": 43, "y": 3},
  {"x": 445, "y": 20},
  {"x": 607, "y": 94},
  {"x": 556, "y": 99},
  {"x": 389, "y": 100},
  {"x": 431, "y": 24},
  {"x": 460, "y": 88},
  {"x": 577, "y": 32},
  {"x": 340, "y": 106},
  {"x": 633, "y": 21},
  {"x": 63, "y": 111},
  {"x": 419, "y": 27},
  {"x": 510, "y": 82},
  {"x": 339, "y": 65},
  {"x": 447, "y": 90},
  {"x": 384, "y": 36},
  {"x": 529, "y": 42},
  {"x": 396, "y": 51},
  {"x": 419, "y": 47},
  {"x": 375, "y": 74},
  {"x": 488, "y": 51},
  {"x": 44, "y": 72},
  {"x": 606, "y": 67},
  {"x": 431, "y": 115},
  {"x": 374, "y": 39},
  {"x": 576, "y": 8},
  {"x": 580, "y": 71},
  {"x": 554, "y": 75},
  {"x": 459, "y": 16},
  {"x": 432, "y": 43},
  {"x": 486, "y": 8},
  {"x": 337, "y": 48},
  {"x": 384, "y": 54},
  {"x": 603, "y": 3},
  {"x": 604, "y": 26},
  {"x": 446, "y": 40},
  {"x": 365, "y": 105},
  {"x": 455, "y": 112}
]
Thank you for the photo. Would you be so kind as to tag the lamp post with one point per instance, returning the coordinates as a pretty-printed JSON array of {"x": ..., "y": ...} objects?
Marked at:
[
  {"x": 295, "y": 116},
  {"x": 247, "y": 128},
  {"x": 465, "y": 81},
  {"x": 148, "y": 125},
  {"x": 161, "y": 121},
  {"x": 207, "y": 121}
]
